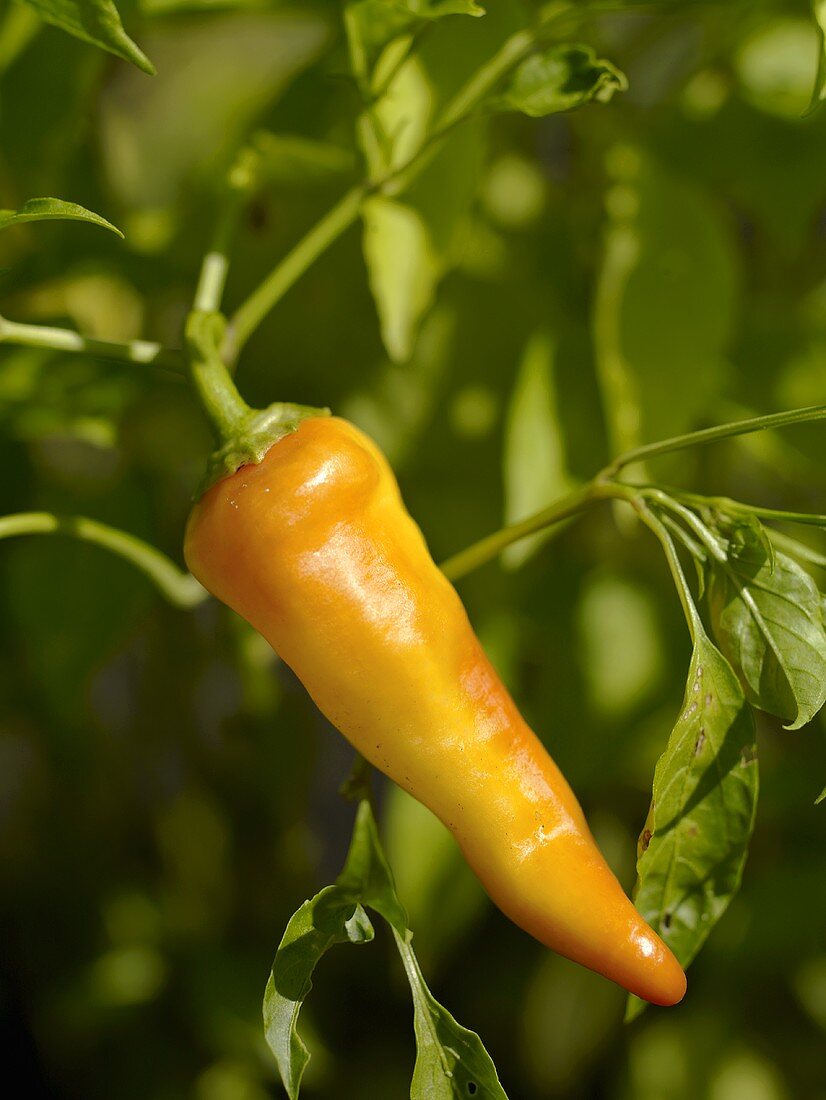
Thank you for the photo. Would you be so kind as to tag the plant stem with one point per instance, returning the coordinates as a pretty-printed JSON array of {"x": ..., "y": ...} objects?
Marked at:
[
  {"x": 180, "y": 588},
  {"x": 215, "y": 266},
  {"x": 691, "y": 520},
  {"x": 346, "y": 211},
  {"x": 797, "y": 549},
  {"x": 218, "y": 394},
  {"x": 141, "y": 352},
  {"x": 692, "y": 615},
  {"x": 712, "y": 435},
  {"x": 490, "y": 547},
  {"x": 726, "y": 504},
  {"x": 251, "y": 313}
]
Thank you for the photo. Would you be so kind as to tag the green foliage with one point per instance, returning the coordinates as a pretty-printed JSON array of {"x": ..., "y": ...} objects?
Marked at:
[
  {"x": 95, "y": 21},
  {"x": 693, "y": 847},
  {"x": 766, "y": 613},
  {"x": 373, "y": 24},
  {"x": 550, "y": 288},
  {"x": 559, "y": 79},
  {"x": 450, "y": 1060},
  {"x": 36, "y": 210},
  {"x": 664, "y": 303}
]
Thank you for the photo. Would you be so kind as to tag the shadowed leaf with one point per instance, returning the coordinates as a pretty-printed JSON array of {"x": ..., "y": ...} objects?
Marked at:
[
  {"x": 693, "y": 847},
  {"x": 767, "y": 619}
]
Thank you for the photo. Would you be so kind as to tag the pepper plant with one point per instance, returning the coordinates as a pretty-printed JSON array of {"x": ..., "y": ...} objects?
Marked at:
[{"x": 402, "y": 100}]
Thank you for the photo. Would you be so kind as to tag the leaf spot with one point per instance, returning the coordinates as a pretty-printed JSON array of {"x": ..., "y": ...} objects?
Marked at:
[
  {"x": 666, "y": 921},
  {"x": 471, "y": 1088},
  {"x": 701, "y": 740},
  {"x": 645, "y": 839}
]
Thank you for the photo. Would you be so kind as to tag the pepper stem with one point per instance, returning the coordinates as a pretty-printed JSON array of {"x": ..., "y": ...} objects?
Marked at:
[
  {"x": 223, "y": 404},
  {"x": 244, "y": 434}
]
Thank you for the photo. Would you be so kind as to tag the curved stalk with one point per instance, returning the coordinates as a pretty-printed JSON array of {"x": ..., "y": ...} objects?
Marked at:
[
  {"x": 712, "y": 435},
  {"x": 490, "y": 547},
  {"x": 180, "y": 588}
]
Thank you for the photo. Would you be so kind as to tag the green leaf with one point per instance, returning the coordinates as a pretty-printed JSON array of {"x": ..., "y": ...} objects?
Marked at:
[
  {"x": 664, "y": 303},
  {"x": 403, "y": 270},
  {"x": 95, "y": 21},
  {"x": 374, "y": 24},
  {"x": 695, "y": 839},
  {"x": 766, "y": 616},
  {"x": 37, "y": 210},
  {"x": 559, "y": 79},
  {"x": 819, "y": 90},
  {"x": 410, "y": 242},
  {"x": 821, "y": 797},
  {"x": 535, "y": 468},
  {"x": 332, "y": 916},
  {"x": 449, "y": 1057},
  {"x": 451, "y": 1062}
]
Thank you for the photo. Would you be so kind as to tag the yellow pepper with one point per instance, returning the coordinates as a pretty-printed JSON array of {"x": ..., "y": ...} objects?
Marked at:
[{"x": 314, "y": 547}]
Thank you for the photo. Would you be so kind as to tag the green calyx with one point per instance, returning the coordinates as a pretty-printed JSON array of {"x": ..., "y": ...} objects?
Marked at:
[
  {"x": 244, "y": 434},
  {"x": 251, "y": 438}
]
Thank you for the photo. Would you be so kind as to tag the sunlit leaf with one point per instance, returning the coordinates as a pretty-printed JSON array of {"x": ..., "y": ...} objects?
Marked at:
[
  {"x": 449, "y": 1058},
  {"x": 767, "y": 619},
  {"x": 821, "y": 797},
  {"x": 403, "y": 270},
  {"x": 819, "y": 90},
  {"x": 410, "y": 241},
  {"x": 95, "y": 21},
  {"x": 664, "y": 303},
  {"x": 38, "y": 210},
  {"x": 534, "y": 465},
  {"x": 559, "y": 79},
  {"x": 451, "y": 1062},
  {"x": 694, "y": 844}
]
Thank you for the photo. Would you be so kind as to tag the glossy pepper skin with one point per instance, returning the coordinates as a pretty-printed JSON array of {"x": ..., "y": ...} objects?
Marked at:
[{"x": 315, "y": 548}]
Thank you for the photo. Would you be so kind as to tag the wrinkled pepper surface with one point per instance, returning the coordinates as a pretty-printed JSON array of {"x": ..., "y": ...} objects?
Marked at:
[{"x": 314, "y": 547}]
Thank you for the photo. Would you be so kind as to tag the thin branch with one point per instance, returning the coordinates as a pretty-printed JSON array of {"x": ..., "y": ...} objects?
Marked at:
[
  {"x": 252, "y": 312},
  {"x": 712, "y": 435},
  {"x": 137, "y": 352},
  {"x": 215, "y": 266},
  {"x": 692, "y": 615},
  {"x": 492, "y": 546},
  {"x": 180, "y": 588},
  {"x": 346, "y": 211},
  {"x": 796, "y": 548}
]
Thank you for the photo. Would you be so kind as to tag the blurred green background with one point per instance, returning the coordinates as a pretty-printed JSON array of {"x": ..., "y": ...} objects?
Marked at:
[{"x": 168, "y": 794}]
